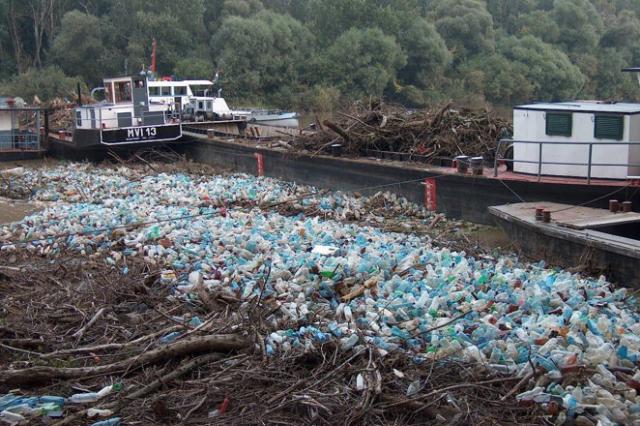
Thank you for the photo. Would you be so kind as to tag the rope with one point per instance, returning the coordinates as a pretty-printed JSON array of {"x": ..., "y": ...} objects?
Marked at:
[
  {"x": 512, "y": 191},
  {"x": 594, "y": 200}
]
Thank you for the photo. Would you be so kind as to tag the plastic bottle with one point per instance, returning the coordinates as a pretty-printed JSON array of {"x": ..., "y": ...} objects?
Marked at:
[
  {"x": 11, "y": 418},
  {"x": 84, "y": 398},
  {"x": 89, "y": 397},
  {"x": 115, "y": 421}
]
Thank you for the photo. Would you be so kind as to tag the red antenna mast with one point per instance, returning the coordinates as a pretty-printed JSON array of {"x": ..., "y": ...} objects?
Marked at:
[{"x": 153, "y": 56}]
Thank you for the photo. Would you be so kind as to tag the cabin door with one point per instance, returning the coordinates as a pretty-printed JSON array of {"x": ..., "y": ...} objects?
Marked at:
[
  {"x": 93, "y": 118},
  {"x": 177, "y": 102},
  {"x": 140, "y": 97}
]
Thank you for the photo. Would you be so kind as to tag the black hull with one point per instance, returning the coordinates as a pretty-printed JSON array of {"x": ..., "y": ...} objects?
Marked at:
[{"x": 95, "y": 153}]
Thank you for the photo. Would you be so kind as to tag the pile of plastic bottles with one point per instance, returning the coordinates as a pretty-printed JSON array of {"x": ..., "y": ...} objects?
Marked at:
[
  {"x": 352, "y": 284},
  {"x": 16, "y": 410}
]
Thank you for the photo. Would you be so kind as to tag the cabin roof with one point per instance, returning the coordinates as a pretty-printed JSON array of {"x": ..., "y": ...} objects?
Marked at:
[
  {"x": 179, "y": 83},
  {"x": 585, "y": 106}
]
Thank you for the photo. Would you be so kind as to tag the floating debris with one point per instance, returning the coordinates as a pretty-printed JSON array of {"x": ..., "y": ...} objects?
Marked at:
[{"x": 570, "y": 344}]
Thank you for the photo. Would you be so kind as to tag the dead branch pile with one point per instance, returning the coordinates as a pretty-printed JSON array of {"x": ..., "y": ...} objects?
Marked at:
[
  {"x": 75, "y": 326},
  {"x": 61, "y": 118},
  {"x": 428, "y": 134},
  {"x": 61, "y": 113}
]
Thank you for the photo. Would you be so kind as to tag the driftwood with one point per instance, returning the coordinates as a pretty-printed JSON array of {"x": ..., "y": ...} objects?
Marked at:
[
  {"x": 40, "y": 374},
  {"x": 443, "y": 131}
]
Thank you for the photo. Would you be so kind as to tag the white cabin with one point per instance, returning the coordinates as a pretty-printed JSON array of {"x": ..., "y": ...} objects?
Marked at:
[
  {"x": 126, "y": 104},
  {"x": 179, "y": 93},
  {"x": 570, "y": 127}
]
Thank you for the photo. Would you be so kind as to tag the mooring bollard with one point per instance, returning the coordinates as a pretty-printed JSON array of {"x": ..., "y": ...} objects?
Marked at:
[
  {"x": 462, "y": 163},
  {"x": 476, "y": 166},
  {"x": 627, "y": 206},
  {"x": 614, "y": 206},
  {"x": 546, "y": 216},
  {"x": 539, "y": 215}
]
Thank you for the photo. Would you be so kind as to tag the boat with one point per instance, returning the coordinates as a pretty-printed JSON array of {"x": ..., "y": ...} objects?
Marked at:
[
  {"x": 192, "y": 100},
  {"x": 124, "y": 117},
  {"x": 271, "y": 117},
  {"x": 22, "y": 128}
]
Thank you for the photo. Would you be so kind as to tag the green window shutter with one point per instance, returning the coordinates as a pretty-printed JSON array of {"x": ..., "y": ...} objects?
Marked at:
[
  {"x": 559, "y": 124},
  {"x": 609, "y": 127}
]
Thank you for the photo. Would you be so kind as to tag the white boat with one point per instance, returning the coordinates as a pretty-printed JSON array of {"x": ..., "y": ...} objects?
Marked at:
[
  {"x": 193, "y": 100},
  {"x": 125, "y": 117},
  {"x": 277, "y": 118}
]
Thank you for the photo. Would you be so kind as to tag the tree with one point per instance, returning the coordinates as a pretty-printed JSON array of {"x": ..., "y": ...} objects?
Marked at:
[
  {"x": 465, "y": 25},
  {"x": 262, "y": 56},
  {"x": 506, "y": 13},
  {"x": 78, "y": 46},
  {"x": 549, "y": 72},
  {"x": 194, "y": 68},
  {"x": 47, "y": 83},
  {"x": 427, "y": 54},
  {"x": 178, "y": 28},
  {"x": 539, "y": 23},
  {"x": 609, "y": 82},
  {"x": 363, "y": 62},
  {"x": 580, "y": 25},
  {"x": 329, "y": 19}
]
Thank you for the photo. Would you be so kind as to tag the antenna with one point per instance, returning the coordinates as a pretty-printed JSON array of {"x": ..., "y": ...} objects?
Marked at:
[{"x": 153, "y": 56}]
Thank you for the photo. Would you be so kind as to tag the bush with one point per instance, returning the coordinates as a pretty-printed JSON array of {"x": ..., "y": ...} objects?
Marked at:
[{"x": 46, "y": 83}]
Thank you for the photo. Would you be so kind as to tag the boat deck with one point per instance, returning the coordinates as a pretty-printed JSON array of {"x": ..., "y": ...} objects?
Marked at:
[
  {"x": 574, "y": 238},
  {"x": 506, "y": 175},
  {"x": 569, "y": 216}
]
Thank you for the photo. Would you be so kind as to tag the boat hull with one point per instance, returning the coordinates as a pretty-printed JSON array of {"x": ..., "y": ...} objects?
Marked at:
[{"x": 140, "y": 135}]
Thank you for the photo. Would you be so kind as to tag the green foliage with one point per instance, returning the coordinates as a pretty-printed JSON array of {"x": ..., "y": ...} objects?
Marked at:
[
  {"x": 47, "y": 83},
  {"x": 466, "y": 26},
  {"x": 193, "y": 69},
  {"x": 427, "y": 54},
  {"x": 318, "y": 53},
  {"x": 525, "y": 69},
  {"x": 363, "y": 62},
  {"x": 261, "y": 55},
  {"x": 579, "y": 22},
  {"x": 78, "y": 46}
]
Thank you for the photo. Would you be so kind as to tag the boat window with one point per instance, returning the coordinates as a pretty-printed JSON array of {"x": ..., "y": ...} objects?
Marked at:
[
  {"x": 559, "y": 123},
  {"x": 181, "y": 90},
  {"x": 209, "y": 105},
  {"x": 154, "y": 91},
  {"x": 166, "y": 91},
  {"x": 108, "y": 93},
  {"x": 609, "y": 127},
  {"x": 200, "y": 89},
  {"x": 200, "y": 105},
  {"x": 123, "y": 91},
  {"x": 79, "y": 118}
]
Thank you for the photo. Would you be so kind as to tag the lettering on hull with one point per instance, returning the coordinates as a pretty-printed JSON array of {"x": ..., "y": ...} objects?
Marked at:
[{"x": 141, "y": 134}]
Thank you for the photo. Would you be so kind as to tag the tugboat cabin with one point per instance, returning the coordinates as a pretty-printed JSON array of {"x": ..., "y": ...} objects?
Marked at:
[{"x": 124, "y": 117}]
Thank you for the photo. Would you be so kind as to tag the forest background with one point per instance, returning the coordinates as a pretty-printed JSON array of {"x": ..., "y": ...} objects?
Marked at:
[{"x": 315, "y": 54}]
